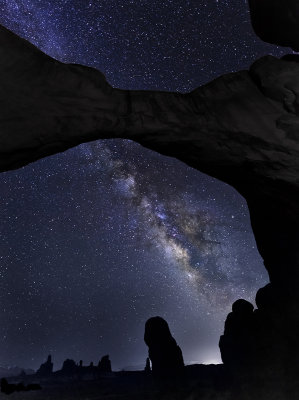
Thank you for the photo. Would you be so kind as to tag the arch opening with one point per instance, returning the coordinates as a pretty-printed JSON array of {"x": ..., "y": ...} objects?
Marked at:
[{"x": 97, "y": 239}]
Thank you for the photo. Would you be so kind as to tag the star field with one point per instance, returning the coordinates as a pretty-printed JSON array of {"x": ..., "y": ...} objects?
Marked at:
[
  {"x": 140, "y": 44},
  {"x": 99, "y": 238},
  {"x": 96, "y": 240}
]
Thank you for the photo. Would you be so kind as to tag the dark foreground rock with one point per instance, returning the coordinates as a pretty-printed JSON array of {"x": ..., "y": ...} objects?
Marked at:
[
  {"x": 257, "y": 344},
  {"x": 204, "y": 382},
  {"x": 46, "y": 368},
  {"x": 237, "y": 342},
  {"x": 9, "y": 388},
  {"x": 164, "y": 353},
  {"x": 105, "y": 364}
]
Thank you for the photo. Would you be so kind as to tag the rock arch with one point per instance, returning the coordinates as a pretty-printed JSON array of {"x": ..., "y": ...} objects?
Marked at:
[{"x": 241, "y": 128}]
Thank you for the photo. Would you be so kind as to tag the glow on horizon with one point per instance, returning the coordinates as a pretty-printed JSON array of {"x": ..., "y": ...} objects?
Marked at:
[
  {"x": 207, "y": 361},
  {"x": 213, "y": 361}
]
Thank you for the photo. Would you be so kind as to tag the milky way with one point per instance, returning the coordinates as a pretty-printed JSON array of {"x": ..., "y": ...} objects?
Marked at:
[{"x": 97, "y": 239}]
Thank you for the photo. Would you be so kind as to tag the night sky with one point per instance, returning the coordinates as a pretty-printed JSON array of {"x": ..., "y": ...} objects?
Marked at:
[{"x": 96, "y": 240}]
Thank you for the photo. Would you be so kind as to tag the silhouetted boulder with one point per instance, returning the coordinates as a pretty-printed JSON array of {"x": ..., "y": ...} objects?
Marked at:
[
  {"x": 164, "y": 353},
  {"x": 69, "y": 367},
  {"x": 259, "y": 341},
  {"x": 266, "y": 299},
  {"x": 105, "y": 364},
  {"x": 237, "y": 342},
  {"x": 46, "y": 368}
]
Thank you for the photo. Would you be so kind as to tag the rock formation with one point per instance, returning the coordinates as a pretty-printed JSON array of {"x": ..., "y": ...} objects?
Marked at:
[
  {"x": 275, "y": 345},
  {"x": 46, "y": 368},
  {"x": 105, "y": 364},
  {"x": 276, "y": 21},
  {"x": 259, "y": 342},
  {"x": 69, "y": 367},
  {"x": 242, "y": 128},
  {"x": 164, "y": 353},
  {"x": 237, "y": 342}
]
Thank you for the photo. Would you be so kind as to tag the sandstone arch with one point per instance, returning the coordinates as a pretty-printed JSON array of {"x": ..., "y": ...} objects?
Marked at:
[{"x": 241, "y": 128}]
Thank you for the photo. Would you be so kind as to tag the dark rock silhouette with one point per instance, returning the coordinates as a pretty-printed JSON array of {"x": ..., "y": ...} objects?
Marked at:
[
  {"x": 147, "y": 368},
  {"x": 276, "y": 21},
  {"x": 105, "y": 364},
  {"x": 46, "y": 368},
  {"x": 73, "y": 371},
  {"x": 259, "y": 341},
  {"x": 69, "y": 367},
  {"x": 237, "y": 341},
  {"x": 9, "y": 388},
  {"x": 164, "y": 353},
  {"x": 274, "y": 341}
]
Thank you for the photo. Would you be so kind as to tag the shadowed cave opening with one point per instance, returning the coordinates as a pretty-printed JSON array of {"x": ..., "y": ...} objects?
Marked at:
[{"x": 97, "y": 239}]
